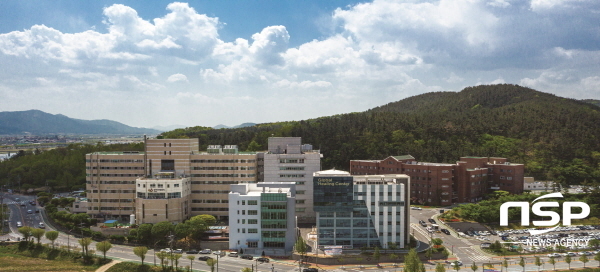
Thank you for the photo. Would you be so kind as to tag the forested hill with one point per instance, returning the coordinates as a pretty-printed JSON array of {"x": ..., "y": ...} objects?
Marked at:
[{"x": 554, "y": 137}]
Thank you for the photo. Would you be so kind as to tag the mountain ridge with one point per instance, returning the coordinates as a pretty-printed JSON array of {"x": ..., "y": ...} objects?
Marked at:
[
  {"x": 37, "y": 122},
  {"x": 554, "y": 137}
]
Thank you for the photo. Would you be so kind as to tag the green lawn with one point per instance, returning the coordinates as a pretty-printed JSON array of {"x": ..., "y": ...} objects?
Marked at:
[{"x": 21, "y": 257}]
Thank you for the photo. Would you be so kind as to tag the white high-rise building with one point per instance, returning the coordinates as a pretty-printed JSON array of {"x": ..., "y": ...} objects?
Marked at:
[
  {"x": 288, "y": 160},
  {"x": 262, "y": 218}
]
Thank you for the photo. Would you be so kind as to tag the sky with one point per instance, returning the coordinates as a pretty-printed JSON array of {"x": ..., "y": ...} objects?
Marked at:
[{"x": 204, "y": 63}]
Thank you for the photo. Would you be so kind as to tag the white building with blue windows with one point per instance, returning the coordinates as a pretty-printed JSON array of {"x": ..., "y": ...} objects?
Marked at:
[{"x": 262, "y": 218}]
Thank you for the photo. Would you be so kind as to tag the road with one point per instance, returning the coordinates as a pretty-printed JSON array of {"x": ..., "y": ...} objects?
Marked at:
[{"x": 465, "y": 250}]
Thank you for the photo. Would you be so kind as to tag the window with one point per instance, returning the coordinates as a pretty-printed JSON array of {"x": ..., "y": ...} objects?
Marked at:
[
  {"x": 252, "y": 221},
  {"x": 252, "y": 202},
  {"x": 252, "y": 230},
  {"x": 252, "y": 212},
  {"x": 243, "y": 212},
  {"x": 243, "y": 202},
  {"x": 299, "y": 201},
  {"x": 300, "y": 192}
]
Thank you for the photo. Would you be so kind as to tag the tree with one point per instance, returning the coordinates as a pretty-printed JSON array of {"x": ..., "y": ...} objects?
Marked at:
[
  {"x": 52, "y": 236},
  {"x": 140, "y": 252},
  {"x": 584, "y": 259},
  {"x": 211, "y": 263},
  {"x": 26, "y": 231},
  {"x": 440, "y": 268},
  {"x": 103, "y": 247},
  {"x": 85, "y": 243},
  {"x": 538, "y": 262},
  {"x": 568, "y": 261},
  {"x": 429, "y": 253},
  {"x": 412, "y": 261},
  {"x": 161, "y": 229},
  {"x": 597, "y": 258},
  {"x": 377, "y": 254},
  {"x": 162, "y": 256},
  {"x": 522, "y": 263},
  {"x": 38, "y": 234},
  {"x": 191, "y": 258},
  {"x": 176, "y": 258},
  {"x": 552, "y": 261},
  {"x": 474, "y": 267},
  {"x": 456, "y": 266},
  {"x": 144, "y": 233},
  {"x": 301, "y": 248}
]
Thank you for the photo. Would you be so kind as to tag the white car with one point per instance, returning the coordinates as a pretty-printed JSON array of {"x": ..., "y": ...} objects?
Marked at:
[
  {"x": 166, "y": 250},
  {"x": 19, "y": 224},
  {"x": 555, "y": 255},
  {"x": 178, "y": 251},
  {"x": 41, "y": 225},
  {"x": 205, "y": 251},
  {"x": 416, "y": 208}
]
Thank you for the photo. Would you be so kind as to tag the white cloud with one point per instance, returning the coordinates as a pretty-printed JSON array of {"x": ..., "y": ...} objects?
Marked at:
[
  {"x": 177, "y": 77},
  {"x": 377, "y": 52}
]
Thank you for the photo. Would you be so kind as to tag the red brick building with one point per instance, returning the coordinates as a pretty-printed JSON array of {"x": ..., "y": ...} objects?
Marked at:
[{"x": 444, "y": 184}]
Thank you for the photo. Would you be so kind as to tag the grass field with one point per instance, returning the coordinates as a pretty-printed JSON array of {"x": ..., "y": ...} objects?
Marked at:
[{"x": 22, "y": 257}]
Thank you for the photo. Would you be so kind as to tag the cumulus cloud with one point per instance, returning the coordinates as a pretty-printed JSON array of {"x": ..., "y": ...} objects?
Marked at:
[
  {"x": 374, "y": 53},
  {"x": 177, "y": 77}
]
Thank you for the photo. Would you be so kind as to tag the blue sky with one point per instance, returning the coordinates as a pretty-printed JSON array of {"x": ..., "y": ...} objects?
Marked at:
[{"x": 228, "y": 62}]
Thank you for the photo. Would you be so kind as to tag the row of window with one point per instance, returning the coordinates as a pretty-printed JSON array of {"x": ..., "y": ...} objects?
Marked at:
[
  {"x": 117, "y": 161},
  {"x": 122, "y": 200},
  {"x": 291, "y": 175},
  {"x": 224, "y": 168},
  {"x": 250, "y": 202},
  {"x": 210, "y": 191},
  {"x": 250, "y": 212},
  {"x": 223, "y": 175},
  {"x": 158, "y": 195},
  {"x": 112, "y": 191},
  {"x": 116, "y": 168},
  {"x": 113, "y": 175},
  {"x": 223, "y": 161},
  {"x": 218, "y": 182},
  {"x": 210, "y": 201},
  {"x": 291, "y": 168},
  {"x": 111, "y": 208},
  {"x": 380, "y": 194},
  {"x": 291, "y": 161},
  {"x": 159, "y": 185}
]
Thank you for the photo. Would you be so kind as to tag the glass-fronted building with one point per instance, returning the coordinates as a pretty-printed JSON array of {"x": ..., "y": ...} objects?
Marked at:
[{"x": 361, "y": 211}]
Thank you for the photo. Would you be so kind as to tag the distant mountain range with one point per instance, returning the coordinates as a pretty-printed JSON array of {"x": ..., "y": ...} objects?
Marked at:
[
  {"x": 238, "y": 126},
  {"x": 37, "y": 122}
]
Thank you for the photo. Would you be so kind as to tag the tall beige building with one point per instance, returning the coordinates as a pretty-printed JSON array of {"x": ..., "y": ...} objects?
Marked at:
[{"x": 122, "y": 184}]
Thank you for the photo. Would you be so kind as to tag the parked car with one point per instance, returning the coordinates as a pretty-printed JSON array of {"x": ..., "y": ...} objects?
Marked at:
[
  {"x": 422, "y": 223},
  {"x": 263, "y": 260},
  {"x": 247, "y": 257},
  {"x": 191, "y": 251},
  {"x": 310, "y": 270},
  {"x": 416, "y": 208},
  {"x": 445, "y": 231},
  {"x": 218, "y": 252},
  {"x": 41, "y": 225},
  {"x": 204, "y": 258},
  {"x": 555, "y": 255},
  {"x": 431, "y": 220},
  {"x": 29, "y": 211},
  {"x": 233, "y": 254},
  {"x": 178, "y": 251},
  {"x": 205, "y": 251},
  {"x": 166, "y": 250},
  {"x": 19, "y": 224},
  {"x": 37, "y": 211}
]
